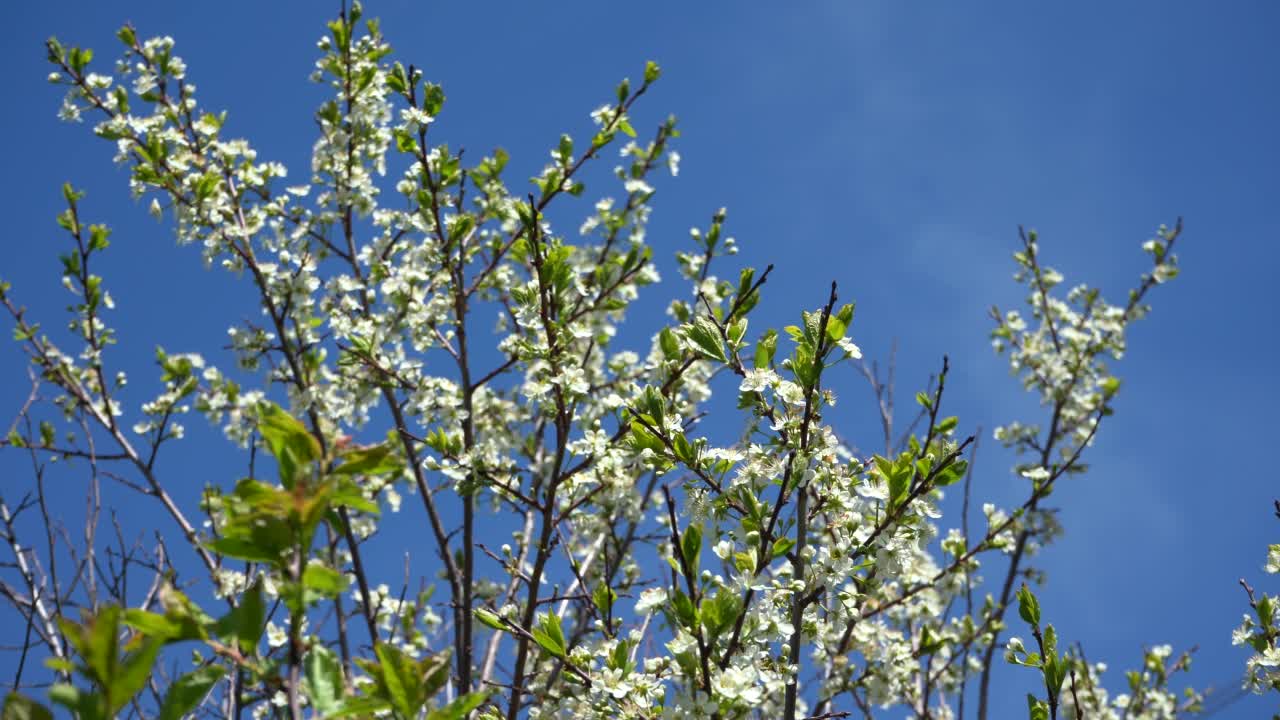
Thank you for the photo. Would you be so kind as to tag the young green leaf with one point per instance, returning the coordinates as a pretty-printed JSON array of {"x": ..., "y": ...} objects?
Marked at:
[
  {"x": 603, "y": 597},
  {"x": 651, "y": 71},
  {"x": 361, "y": 707},
  {"x": 397, "y": 671},
  {"x": 692, "y": 549},
  {"x": 704, "y": 337},
  {"x": 325, "y": 581},
  {"x": 458, "y": 709},
  {"x": 21, "y": 707},
  {"x": 549, "y": 635},
  {"x": 132, "y": 674},
  {"x": 84, "y": 705},
  {"x": 245, "y": 623},
  {"x": 1038, "y": 709},
  {"x": 489, "y": 618},
  {"x": 374, "y": 460},
  {"x": 781, "y": 547},
  {"x": 323, "y": 679},
  {"x": 1028, "y": 606},
  {"x": 765, "y": 349},
  {"x": 187, "y": 691},
  {"x": 290, "y": 443},
  {"x": 686, "y": 614}
]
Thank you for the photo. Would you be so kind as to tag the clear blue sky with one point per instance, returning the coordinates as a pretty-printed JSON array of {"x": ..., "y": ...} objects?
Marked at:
[{"x": 893, "y": 148}]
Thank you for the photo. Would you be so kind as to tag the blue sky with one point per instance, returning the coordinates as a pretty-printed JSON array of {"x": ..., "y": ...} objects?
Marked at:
[{"x": 893, "y": 148}]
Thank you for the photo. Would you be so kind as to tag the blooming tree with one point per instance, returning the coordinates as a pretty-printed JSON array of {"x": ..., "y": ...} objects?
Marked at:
[
  {"x": 643, "y": 571},
  {"x": 1261, "y": 630}
]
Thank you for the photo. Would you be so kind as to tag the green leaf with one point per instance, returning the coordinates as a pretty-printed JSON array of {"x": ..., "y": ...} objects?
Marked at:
[
  {"x": 433, "y": 99},
  {"x": 686, "y": 613},
  {"x": 691, "y": 547},
  {"x": 79, "y": 58},
  {"x": 135, "y": 669},
  {"x": 835, "y": 329},
  {"x": 61, "y": 665},
  {"x": 844, "y": 316},
  {"x": 604, "y": 597},
  {"x": 550, "y": 636},
  {"x": 434, "y": 671},
  {"x": 703, "y": 335},
  {"x": 1028, "y": 606},
  {"x": 397, "y": 79},
  {"x": 804, "y": 365},
  {"x": 21, "y": 707},
  {"x": 288, "y": 440},
  {"x": 323, "y": 580},
  {"x": 243, "y": 549},
  {"x": 669, "y": 344},
  {"x": 152, "y": 624},
  {"x": 765, "y": 349},
  {"x": 709, "y": 615},
  {"x": 951, "y": 473},
  {"x": 398, "y": 677},
  {"x": 619, "y": 658},
  {"x": 405, "y": 142},
  {"x": 458, "y": 709},
  {"x": 187, "y": 691},
  {"x": 362, "y": 707},
  {"x": 897, "y": 475},
  {"x": 23, "y": 333},
  {"x": 642, "y": 439},
  {"x": 652, "y": 403},
  {"x": 547, "y": 643},
  {"x": 1039, "y": 710},
  {"x": 490, "y": 619},
  {"x": 781, "y": 546},
  {"x": 86, "y": 706},
  {"x": 1266, "y": 611},
  {"x": 323, "y": 679},
  {"x": 348, "y": 494},
  {"x": 899, "y": 488},
  {"x": 651, "y": 71},
  {"x": 684, "y": 451},
  {"x": 460, "y": 227},
  {"x": 98, "y": 235},
  {"x": 565, "y": 149},
  {"x": 330, "y": 113},
  {"x": 719, "y": 613},
  {"x": 1050, "y": 641},
  {"x": 929, "y": 643},
  {"x": 206, "y": 186},
  {"x": 186, "y": 621},
  {"x": 247, "y": 621},
  {"x": 1055, "y": 672},
  {"x": 97, "y": 641}
]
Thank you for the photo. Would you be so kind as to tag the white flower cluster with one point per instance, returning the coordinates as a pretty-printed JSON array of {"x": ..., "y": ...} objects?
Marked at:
[
  {"x": 1149, "y": 695},
  {"x": 1063, "y": 356},
  {"x": 1261, "y": 632}
]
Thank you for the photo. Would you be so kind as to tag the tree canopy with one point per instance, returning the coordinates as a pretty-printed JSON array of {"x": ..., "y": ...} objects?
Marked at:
[{"x": 440, "y": 350}]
